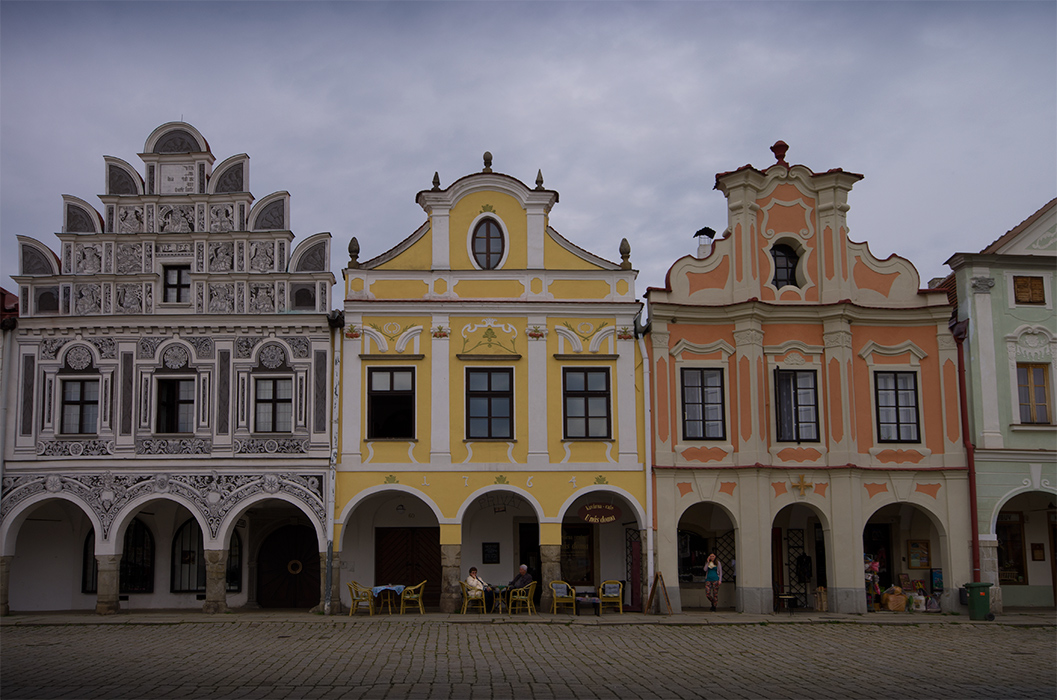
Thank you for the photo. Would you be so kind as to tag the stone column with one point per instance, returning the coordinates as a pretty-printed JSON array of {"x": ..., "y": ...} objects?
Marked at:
[
  {"x": 107, "y": 583},
  {"x": 550, "y": 570},
  {"x": 451, "y": 573},
  {"x": 216, "y": 581},
  {"x": 5, "y": 578}
]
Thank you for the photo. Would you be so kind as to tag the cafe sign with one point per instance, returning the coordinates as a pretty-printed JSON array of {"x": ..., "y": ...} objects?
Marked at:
[{"x": 599, "y": 513}]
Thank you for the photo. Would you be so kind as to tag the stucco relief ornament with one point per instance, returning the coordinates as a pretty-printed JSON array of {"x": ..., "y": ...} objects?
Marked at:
[
  {"x": 89, "y": 299},
  {"x": 78, "y": 357},
  {"x": 795, "y": 359},
  {"x": 273, "y": 356},
  {"x": 536, "y": 333},
  {"x": 161, "y": 483},
  {"x": 982, "y": 285},
  {"x": 270, "y": 483},
  {"x": 352, "y": 332},
  {"x": 175, "y": 357},
  {"x": 625, "y": 333},
  {"x": 441, "y": 332},
  {"x": 1032, "y": 345},
  {"x": 53, "y": 484}
]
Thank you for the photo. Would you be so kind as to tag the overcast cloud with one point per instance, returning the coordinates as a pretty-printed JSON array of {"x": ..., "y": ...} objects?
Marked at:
[{"x": 949, "y": 109}]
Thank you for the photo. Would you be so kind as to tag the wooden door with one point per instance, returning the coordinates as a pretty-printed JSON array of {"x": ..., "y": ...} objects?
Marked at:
[
  {"x": 288, "y": 569},
  {"x": 407, "y": 556}
]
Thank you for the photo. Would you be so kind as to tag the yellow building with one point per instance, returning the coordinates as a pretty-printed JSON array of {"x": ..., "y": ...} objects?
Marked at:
[{"x": 491, "y": 396}]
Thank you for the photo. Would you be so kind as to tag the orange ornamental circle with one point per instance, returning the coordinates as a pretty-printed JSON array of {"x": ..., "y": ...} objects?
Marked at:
[
  {"x": 599, "y": 513},
  {"x": 294, "y": 567}
]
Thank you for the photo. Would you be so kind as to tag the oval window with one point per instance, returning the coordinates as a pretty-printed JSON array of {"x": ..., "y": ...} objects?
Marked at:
[{"x": 487, "y": 244}]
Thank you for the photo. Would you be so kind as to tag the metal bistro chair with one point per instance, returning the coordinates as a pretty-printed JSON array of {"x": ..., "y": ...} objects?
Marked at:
[
  {"x": 564, "y": 594},
  {"x": 360, "y": 596},
  {"x": 521, "y": 599},
  {"x": 471, "y": 596},
  {"x": 611, "y": 593},
  {"x": 413, "y": 595}
]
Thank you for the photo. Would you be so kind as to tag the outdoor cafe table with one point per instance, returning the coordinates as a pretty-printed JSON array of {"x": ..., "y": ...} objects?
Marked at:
[
  {"x": 387, "y": 595},
  {"x": 497, "y": 599}
]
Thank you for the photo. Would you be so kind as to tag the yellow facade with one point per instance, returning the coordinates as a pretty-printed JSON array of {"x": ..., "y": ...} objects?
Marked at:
[{"x": 491, "y": 388}]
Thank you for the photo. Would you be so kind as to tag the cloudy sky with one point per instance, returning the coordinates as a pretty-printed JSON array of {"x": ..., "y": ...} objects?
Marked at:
[{"x": 949, "y": 109}]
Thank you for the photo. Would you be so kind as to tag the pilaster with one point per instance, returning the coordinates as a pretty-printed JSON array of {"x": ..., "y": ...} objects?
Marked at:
[
  {"x": 550, "y": 570},
  {"x": 451, "y": 574}
]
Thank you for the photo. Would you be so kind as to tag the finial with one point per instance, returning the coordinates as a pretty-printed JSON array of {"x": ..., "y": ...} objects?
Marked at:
[
  {"x": 354, "y": 253},
  {"x": 487, "y": 162},
  {"x": 625, "y": 253},
  {"x": 778, "y": 149},
  {"x": 436, "y": 182},
  {"x": 539, "y": 179}
]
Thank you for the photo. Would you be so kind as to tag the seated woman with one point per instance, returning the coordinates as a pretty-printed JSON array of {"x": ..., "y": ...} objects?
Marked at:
[{"x": 476, "y": 588}]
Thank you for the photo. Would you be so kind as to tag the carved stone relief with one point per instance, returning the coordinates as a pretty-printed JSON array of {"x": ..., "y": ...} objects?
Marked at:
[
  {"x": 130, "y": 219},
  {"x": 74, "y": 448},
  {"x": 203, "y": 346},
  {"x": 221, "y": 256},
  {"x": 256, "y": 446},
  {"x": 314, "y": 259},
  {"x": 272, "y": 218},
  {"x": 87, "y": 259},
  {"x": 231, "y": 180},
  {"x": 107, "y": 308},
  {"x": 221, "y": 218},
  {"x": 244, "y": 346},
  {"x": 299, "y": 345},
  {"x": 170, "y": 249},
  {"x": 221, "y": 298},
  {"x": 119, "y": 181},
  {"x": 129, "y": 258},
  {"x": 262, "y": 256},
  {"x": 78, "y": 357},
  {"x": 201, "y": 218},
  {"x": 982, "y": 285},
  {"x": 148, "y": 347},
  {"x": 262, "y": 299},
  {"x": 178, "y": 218},
  {"x": 175, "y": 357},
  {"x": 177, "y": 141},
  {"x": 49, "y": 347},
  {"x": 107, "y": 347},
  {"x": 88, "y": 299},
  {"x": 837, "y": 339},
  {"x": 748, "y": 337},
  {"x": 78, "y": 220},
  {"x": 150, "y": 217},
  {"x": 240, "y": 258},
  {"x": 34, "y": 262},
  {"x": 272, "y": 356},
  {"x": 175, "y": 446}
]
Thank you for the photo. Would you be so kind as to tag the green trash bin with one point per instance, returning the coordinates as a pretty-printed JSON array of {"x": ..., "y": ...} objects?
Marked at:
[{"x": 980, "y": 601}]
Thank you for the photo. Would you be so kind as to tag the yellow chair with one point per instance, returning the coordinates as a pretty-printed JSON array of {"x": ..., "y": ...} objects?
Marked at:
[
  {"x": 471, "y": 596},
  {"x": 521, "y": 599},
  {"x": 360, "y": 596},
  {"x": 413, "y": 595},
  {"x": 611, "y": 593},
  {"x": 564, "y": 594}
]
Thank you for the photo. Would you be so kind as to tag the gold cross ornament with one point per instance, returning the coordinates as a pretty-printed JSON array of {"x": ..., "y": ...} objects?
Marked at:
[{"x": 803, "y": 486}]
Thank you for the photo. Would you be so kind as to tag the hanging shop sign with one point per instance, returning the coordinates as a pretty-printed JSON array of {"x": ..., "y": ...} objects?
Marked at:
[{"x": 599, "y": 513}]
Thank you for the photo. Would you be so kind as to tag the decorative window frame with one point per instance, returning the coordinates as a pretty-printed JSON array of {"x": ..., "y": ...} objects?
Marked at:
[
  {"x": 368, "y": 393},
  {"x": 913, "y": 365},
  {"x": 1047, "y": 287},
  {"x": 503, "y": 232},
  {"x": 466, "y": 402},
  {"x": 1033, "y": 344},
  {"x": 680, "y": 362},
  {"x": 609, "y": 437},
  {"x": 796, "y": 355}
]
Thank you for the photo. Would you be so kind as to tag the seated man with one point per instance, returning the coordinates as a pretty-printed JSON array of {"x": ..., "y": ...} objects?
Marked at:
[{"x": 522, "y": 579}]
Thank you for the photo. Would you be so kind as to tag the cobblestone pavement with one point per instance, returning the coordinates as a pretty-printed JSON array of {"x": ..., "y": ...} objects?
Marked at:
[{"x": 317, "y": 657}]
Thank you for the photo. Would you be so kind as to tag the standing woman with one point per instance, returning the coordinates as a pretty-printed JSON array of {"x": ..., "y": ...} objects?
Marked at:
[{"x": 713, "y": 576}]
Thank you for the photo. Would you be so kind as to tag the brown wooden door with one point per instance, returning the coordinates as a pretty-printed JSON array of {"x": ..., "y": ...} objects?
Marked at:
[
  {"x": 407, "y": 556},
  {"x": 288, "y": 569}
]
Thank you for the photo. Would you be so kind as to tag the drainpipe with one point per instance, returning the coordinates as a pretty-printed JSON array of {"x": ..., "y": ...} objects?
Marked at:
[
  {"x": 336, "y": 321},
  {"x": 648, "y": 432},
  {"x": 960, "y": 331}
]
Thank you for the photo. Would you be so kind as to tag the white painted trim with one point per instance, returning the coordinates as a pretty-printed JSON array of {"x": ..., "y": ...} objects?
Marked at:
[
  {"x": 501, "y": 487},
  {"x": 232, "y": 519},
  {"x": 892, "y": 351},
  {"x": 11, "y": 524},
  {"x": 640, "y": 514},
  {"x": 364, "y": 494},
  {"x": 502, "y": 230}
]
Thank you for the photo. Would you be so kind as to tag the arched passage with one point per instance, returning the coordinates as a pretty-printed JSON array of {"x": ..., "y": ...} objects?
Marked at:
[
  {"x": 706, "y": 528},
  {"x": 391, "y": 536},
  {"x": 500, "y": 531},
  {"x": 909, "y": 547},
  {"x": 800, "y": 563},
  {"x": 1025, "y": 527}
]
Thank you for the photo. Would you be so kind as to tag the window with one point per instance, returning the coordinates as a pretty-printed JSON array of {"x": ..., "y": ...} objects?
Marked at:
[
  {"x": 897, "y": 406},
  {"x": 136, "y": 574},
  {"x": 177, "y": 284},
  {"x": 785, "y": 261},
  {"x": 1028, "y": 290},
  {"x": 703, "y": 411},
  {"x": 176, "y": 406},
  {"x": 586, "y": 403},
  {"x": 1011, "y": 560},
  {"x": 390, "y": 403},
  {"x": 797, "y": 405},
  {"x": 80, "y": 406},
  {"x": 489, "y": 404},
  {"x": 275, "y": 405},
  {"x": 1033, "y": 393},
  {"x": 304, "y": 297},
  {"x": 487, "y": 244},
  {"x": 189, "y": 561},
  {"x": 577, "y": 555}
]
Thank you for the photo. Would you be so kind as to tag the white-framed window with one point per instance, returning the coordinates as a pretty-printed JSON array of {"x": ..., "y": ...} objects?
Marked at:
[
  {"x": 487, "y": 242},
  {"x": 586, "y": 401},
  {"x": 175, "y": 405},
  {"x": 390, "y": 403},
  {"x": 80, "y": 406},
  {"x": 896, "y": 406},
  {"x": 796, "y": 405},
  {"x": 704, "y": 403},
  {"x": 273, "y": 405},
  {"x": 1033, "y": 393},
  {"x": 489, "y": 403}
]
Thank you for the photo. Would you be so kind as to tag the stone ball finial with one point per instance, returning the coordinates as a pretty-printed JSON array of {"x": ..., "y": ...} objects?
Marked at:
[
  {"x": 487, "y": 162},
  {"x": 436, "y": 182},
  {"x": 539, "y": 179},
  {"x": 779, "y": 150},
  {"x": 354, "y": 253},
  {"x": 625, "y": 254}
]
